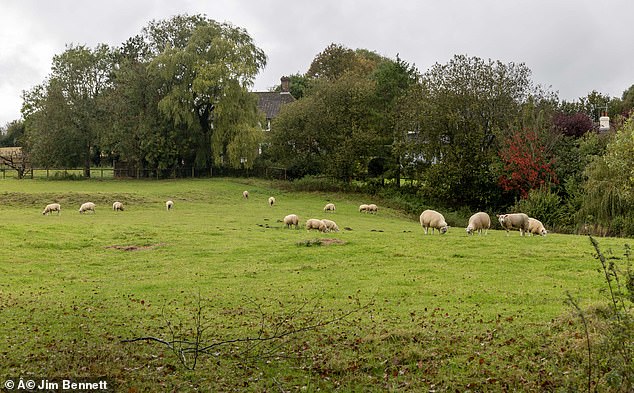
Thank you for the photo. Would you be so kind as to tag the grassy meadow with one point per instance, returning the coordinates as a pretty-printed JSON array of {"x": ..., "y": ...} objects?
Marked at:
[{"x": 378, "y": 306}]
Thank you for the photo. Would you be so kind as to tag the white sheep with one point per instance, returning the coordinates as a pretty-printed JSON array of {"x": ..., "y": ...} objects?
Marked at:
[
  {"x": 169, "y": 205},
  {"x": 245, "y": 194},
  {"x": 372, "y": 208},
  {"x": 314, "y": 223},
  {"x": 514, "y": 221},
  {"x": 330, "y": 225},
  {"x": 363, "y": 208},
  {"x": 535, "y": 227},
  {"x": 53, "y": 207},
  {"x": 330, "y": 207},
  {"x": 434, "y": 220},
  {"x": 478, "y": 222},
  {"x": 291, "y": 220},
  {"x": 271, "y": 201},
  {"x": 117, "y": 206},
  {"x": 88, "y": 206}
]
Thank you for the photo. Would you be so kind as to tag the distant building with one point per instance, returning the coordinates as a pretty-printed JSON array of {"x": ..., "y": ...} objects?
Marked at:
[{"x": 270, "y": 102}]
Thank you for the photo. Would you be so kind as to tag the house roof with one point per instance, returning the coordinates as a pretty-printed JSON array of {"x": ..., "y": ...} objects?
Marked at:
[{"x": 270, "y": 102}]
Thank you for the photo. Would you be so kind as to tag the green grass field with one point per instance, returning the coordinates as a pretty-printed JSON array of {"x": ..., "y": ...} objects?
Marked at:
[{"x": 384, "y": 308}]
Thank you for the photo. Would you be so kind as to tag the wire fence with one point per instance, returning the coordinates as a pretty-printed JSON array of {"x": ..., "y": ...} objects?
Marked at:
[{"x": 7, "y": 172}]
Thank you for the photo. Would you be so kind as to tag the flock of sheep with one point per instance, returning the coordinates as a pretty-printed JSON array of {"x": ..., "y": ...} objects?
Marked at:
[
  {"x": 481, "y": 221},
  {"x": 89, "y": 206},
  {"x": 429, "y": 219},
  {"x": 478, "y": 222}
]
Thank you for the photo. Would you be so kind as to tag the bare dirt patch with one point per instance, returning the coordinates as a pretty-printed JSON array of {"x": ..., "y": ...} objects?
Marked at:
[
  {"x": 320, "y": 242},
  {"x": 135, "y": 248}
]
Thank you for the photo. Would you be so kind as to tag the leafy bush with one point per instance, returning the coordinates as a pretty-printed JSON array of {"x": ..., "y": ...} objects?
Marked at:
[
  {"x": 67, "y": 176},
  {"x": 319, "y": 183},
  {"x": 543, "y": 205},
  {"x": 622, "y": 226}
]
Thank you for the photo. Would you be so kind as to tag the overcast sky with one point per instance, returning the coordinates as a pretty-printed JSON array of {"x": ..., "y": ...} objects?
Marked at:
[{"x": 571, "y": 46}]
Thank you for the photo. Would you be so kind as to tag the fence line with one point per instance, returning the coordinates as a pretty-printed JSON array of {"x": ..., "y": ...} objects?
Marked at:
[{"x": 136, "y": 173}]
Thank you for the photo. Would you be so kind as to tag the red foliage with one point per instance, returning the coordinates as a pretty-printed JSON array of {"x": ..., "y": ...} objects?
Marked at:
[{"x": 526, "y": 166}]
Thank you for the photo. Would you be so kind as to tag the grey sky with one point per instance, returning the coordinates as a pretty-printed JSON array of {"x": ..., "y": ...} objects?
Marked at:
[{"x": 571, "y": 46}]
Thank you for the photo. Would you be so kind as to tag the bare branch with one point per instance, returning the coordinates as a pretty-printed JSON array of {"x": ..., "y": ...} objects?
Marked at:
[{"x": 270, "y": 337}]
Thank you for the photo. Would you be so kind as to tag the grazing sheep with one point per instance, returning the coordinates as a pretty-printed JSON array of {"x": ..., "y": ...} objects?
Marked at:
[
  {"x": 117, "y": 206},
  {"x": 53, "y": 207},
  {"x": 291, "y": 220},
  {"x": 535, "y": 227},
  {"x": 372, "y": 208},
  {"x": 271, "y": 201},
  {"x": 434, "y": 220},
  {"x": 514, "y": 221},
  {"x": 245, "y": 194},
  {"x": 169, "y": 205},
  {"x": 478, "y": 222},
  {"x": 363, "y": 208},
  {"x": 329, "y": 207},
  {"x": 86, "y": 207},
  {"x": 330, "y": 225},
  {"x": 314, "y": 223}
]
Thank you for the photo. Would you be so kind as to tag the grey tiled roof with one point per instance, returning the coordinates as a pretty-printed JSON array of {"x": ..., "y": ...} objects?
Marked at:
[{"x": 270, "y": 102}]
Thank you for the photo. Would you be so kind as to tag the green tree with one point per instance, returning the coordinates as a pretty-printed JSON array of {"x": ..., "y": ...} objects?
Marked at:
[
  {"x": 139, "y": 134},
  {"x": 337, "y": 60},
  {"x": 51, "y": 138},
  {"x": 468, "y": 104},
  {"x": 394, "y": 79},
  {"x": 69, "y": 113},
  {"x": 203, "y": 88},
  {"x": 609, "y": 188},
  {"x": 627, "y": 101},
  {"x": 293, "y": 141},
  {"x": 333, "y": 130},
  {"x": 298, "y": 86},
  {"x": 12, "y": 134}
]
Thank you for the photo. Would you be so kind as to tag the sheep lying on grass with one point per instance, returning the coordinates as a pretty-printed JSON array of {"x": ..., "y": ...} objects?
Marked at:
[
  {"x": 117, "y": 206},
  {"x": 53, "y": 207},
  {"x": 169, "y": 205},
  {"x": 329, "y": 207},
  {"x": 330, "y": 225},
  {"x": 291, "y": 220},
  {"x": 478, "y": 222},
  {"x": 514, "y": 221},
  {"x": 535, "y": 227},
  {"x": 314, "y": 223},
  {"x": 88, "y": 206},
  {"x": 271, "y": 201},
  {"x": 434, "y": 220}
]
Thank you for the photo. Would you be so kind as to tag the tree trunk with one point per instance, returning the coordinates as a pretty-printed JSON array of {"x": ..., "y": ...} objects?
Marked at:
[
  {"x": 398, "y": 171},
  {"x": 87, "y": 163}
]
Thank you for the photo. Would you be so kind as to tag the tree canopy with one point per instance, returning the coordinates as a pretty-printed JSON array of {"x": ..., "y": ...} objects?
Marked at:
[
  {"x": 176, "y": 94},
  {"x": 469, "y": 133}
]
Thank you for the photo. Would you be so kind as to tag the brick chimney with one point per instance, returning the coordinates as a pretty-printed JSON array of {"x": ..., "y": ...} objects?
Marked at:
[{"x": 285, "y": 84}]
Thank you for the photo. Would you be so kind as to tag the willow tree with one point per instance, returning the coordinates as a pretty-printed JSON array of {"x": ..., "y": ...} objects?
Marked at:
[
  {"x": 204, "y": 91},
  {"x": 609, "y": 188}
]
